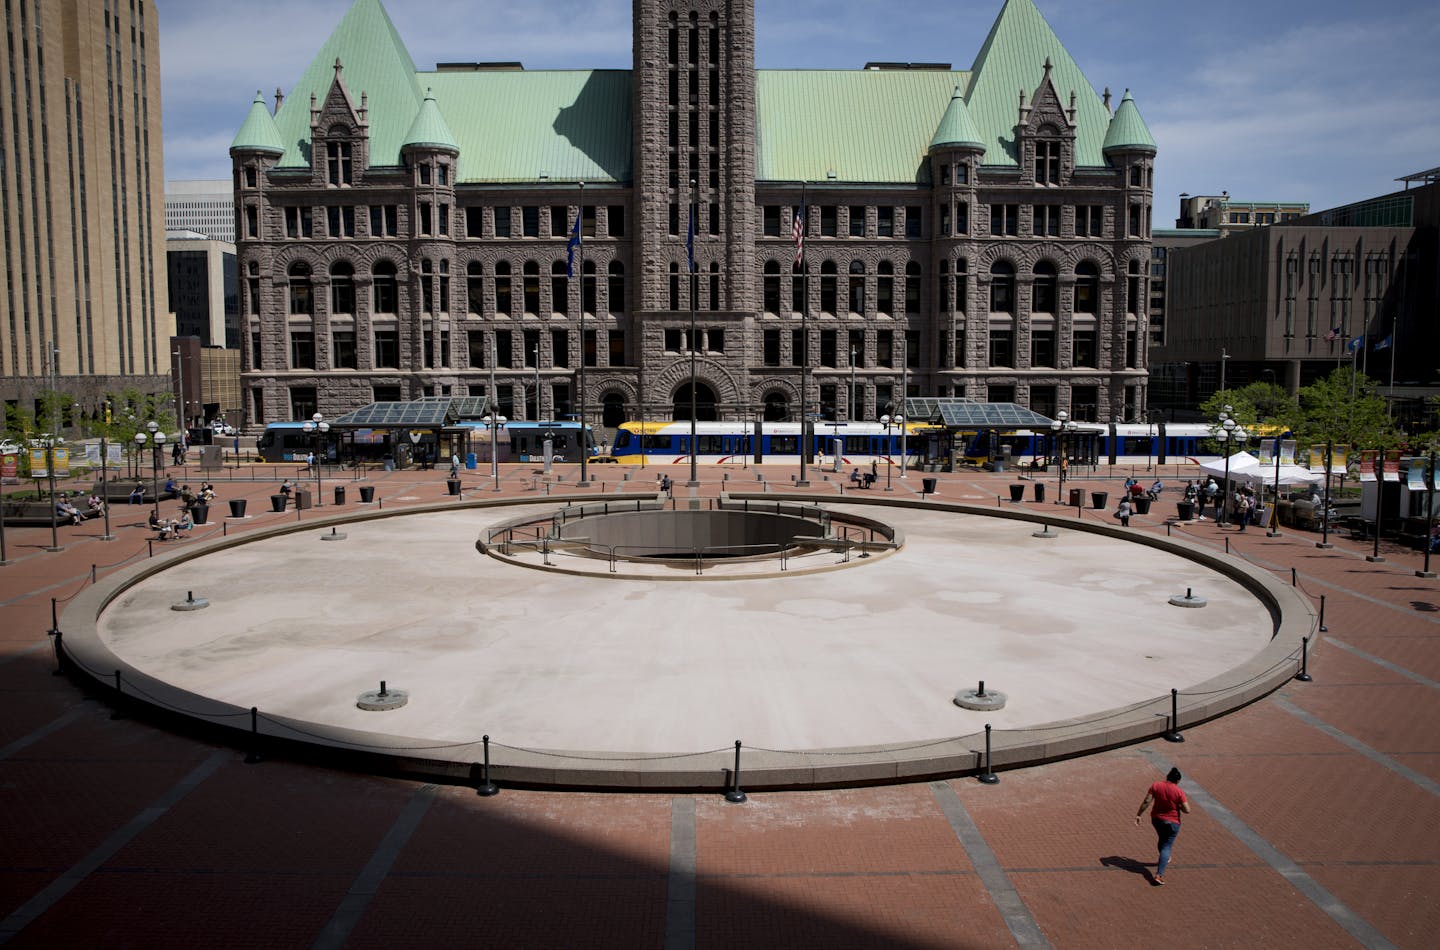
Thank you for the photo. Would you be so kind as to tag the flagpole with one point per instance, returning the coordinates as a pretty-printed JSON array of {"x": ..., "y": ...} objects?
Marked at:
[
  {"x": 580, "y": 376},
  {"x": 690, "y": 253},
  {"x": 804, "y": 334}
]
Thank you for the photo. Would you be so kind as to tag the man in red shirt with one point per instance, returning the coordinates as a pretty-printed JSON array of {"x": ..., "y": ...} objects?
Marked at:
[{"x": 1169, "y": 801}]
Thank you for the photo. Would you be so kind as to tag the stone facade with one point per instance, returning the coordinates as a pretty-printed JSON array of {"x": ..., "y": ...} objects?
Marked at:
[{"x": 932, "y": 304}]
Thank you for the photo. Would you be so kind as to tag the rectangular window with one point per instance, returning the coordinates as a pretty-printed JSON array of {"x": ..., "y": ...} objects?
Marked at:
[
  {"x": 387, "y": 348},
  {"x": 428, "y": 346},
  {"x": 1089, "y": 220},
  {"x": 715, "y": 340},
  {"x": 1047, "y": 220},
  {"x": 298, "y": 222},
  {"x": 302, "y": 349},
  {"x": 424, "y": 173},
  {"x": 338, "y": 163},
  {"x": 424, "y": 222},
  {"x": 504, "y": 349},
  {"x": 1136, "y": 222},
  {"x": 559, "y": 226},
  {"x": 857, "y": 220},
  {"x": 827, "y": 221},
  {"x": 962, "y": 217},
  {"x": 302, "y": 402},
  {"x": 475, "y": 343},
  {"x": 798, "y": 354},
  {"x": 914, "y": 221},
  {"x": 588, "y": 348},
  {"x": 827, "y": 348},
  {"x": 1004, "y": 219},
  {"x": 560, "y": 348},
  {"x": 342, "y": 349},
  {"x": 1002, "y": 346},
  {"x": 960, "y": 344},
  {"x": 1085, "y": 350},
  {"x": 502, "y": 222},
  {"x": 252, "y": 221},
  {"x": 384, "y": 220},
  {"x": 1137, "y": 176},
  {"x": 617, "y": 348},
  {"x": 885, "y": 348},
  {"x": 250, "y": 176},
  {"x": 530, "y": 221},
  {"x": 1047, "y": 163},
  {"x": 1042, "y": 347},
  {"x": 857, "y": 348},
  {"x": 256, "y": 351},
  {"x": 884, "y": 222},
  {"x": 771, "y": 350},
  {"x": 944, "y": 221},
  {"x": 340, "y": 221},
  {"x": 531, "y": 357},
  {"x": 674, "y": 342},
  {"x": 474, "y": 222},
  {"x": 442, "y": 226},
  {"x": 615, "y": 220}
]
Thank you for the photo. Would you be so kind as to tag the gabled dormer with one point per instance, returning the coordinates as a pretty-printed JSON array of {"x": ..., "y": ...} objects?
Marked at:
[
  {"x": 339, "y": 136},
  {"x": 1045, "y": 135}
]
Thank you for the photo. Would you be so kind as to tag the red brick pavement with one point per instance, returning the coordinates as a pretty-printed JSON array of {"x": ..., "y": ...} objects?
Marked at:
[{"x": 264, "y": 855}]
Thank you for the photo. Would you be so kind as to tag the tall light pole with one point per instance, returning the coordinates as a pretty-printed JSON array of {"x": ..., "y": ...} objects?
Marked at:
[
  {"x": 535, "y": 355},
  {"x": 850, "y": 410},
  {"x": 580, "y": 376},
  {"x": 494, "y": 421},
  {"x": 904, "y": 394},
  {"x": 105, "y": 474},
  {"x": 156, "y": 438},
  {"x": 896, "y": 421},
  {"x": 1224, "y": 358},
  {"x": 799, "y": 228},
  {"x": 319, "y": 428},
  {"x": 694, "y": 287}
]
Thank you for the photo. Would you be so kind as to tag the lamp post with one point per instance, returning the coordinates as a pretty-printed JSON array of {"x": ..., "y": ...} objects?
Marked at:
[
  {"x": 319, "y": 428},
  {"x": 105, "y": 474},
  {"x": 156, "y": 438},
  {"x": 890, "y": 422},
  {"x": 493, "y": 423},
  {"x": 1324, "y": 541},
  {"x": 1224, "y": 437},
  {"x": 1274, "y": 531},
  {"x": 850, "y": 410},
  {"x": 1059, "y": 430}
]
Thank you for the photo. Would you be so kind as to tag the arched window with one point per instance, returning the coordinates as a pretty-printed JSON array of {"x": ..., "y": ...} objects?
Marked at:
[
  {"x": 474, "y": 288},
  {"x": 1002, "y": 288},
  {"x": 531, "y": 287},
  {"x": 828, "y": 280},
  {"x": 559, "y": 288},
  {"x": 342, "y": 288},
  {"x": 503, "y": 303},
  {"x": 1045, "y": 292},
  {"x": 385, "y": 288},
  {"x": 615, "y": 293},
  {"x": 770, "y": 290},
  {"x": 1087, "y": 288},
  {"x": 857, "y": 287},
  {"x": 912, "y": 287},
  {"x": 885, "y": 288},
  {"x": 302, "y": 298}
]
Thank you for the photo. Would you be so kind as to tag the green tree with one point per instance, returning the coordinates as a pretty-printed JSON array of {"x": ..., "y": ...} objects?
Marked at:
[{"x": 1344, "y": 407}]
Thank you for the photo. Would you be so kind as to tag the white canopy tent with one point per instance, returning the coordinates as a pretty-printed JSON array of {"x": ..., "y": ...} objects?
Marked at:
[{"x": 1245, "y": 467}]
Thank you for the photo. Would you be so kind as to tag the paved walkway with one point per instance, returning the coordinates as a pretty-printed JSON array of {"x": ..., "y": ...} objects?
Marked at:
[{"x": 1315, "y": 823}]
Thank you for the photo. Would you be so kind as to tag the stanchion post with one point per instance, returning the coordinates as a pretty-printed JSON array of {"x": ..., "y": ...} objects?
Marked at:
[
  {"x": 486, "y": 788},
  {"x": 1294, "y": 577},
  {"x": 734, "y": 794},
  {"x": 119, "y": 695},
  {"x": 1174, "y": 734},
  {"x": 1323, "y": 628},
  {"x": 253, "y": 755},
  {"x": 59, "y": 654},
  {"x": 54, "y": 618},
  {"x": 988, "y": 777},
  {"x": 1304, "y": 674}
]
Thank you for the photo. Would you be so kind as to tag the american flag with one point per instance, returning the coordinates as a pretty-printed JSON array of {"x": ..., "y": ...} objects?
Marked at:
[
  {"x": 797, "y": 230},
  {"x": 1333, "y": 335}
]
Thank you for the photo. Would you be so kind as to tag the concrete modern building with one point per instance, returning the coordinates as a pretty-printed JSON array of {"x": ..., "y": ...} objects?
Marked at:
[
  {"x": 1289, "y": 302},
  {"x": 81, "y": 214},
  {"x": 982, "y": 233},
  {"x": 205, "y": 206},
  {"x": 201, "y": 276},
  {"x": 1227, "y": 215}
]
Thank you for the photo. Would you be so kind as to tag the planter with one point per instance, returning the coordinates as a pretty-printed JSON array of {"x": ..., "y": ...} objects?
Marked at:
[
  {"x": 279, "y": 502},
  {"x": 237, "y": 507},
  {"x": 200, "y": 514}
]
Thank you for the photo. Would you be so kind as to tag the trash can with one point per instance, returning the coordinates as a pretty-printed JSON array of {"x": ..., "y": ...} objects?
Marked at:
[
  {"x": 1017, "y": 492},
  {"x": 1098, "y": 499},
  {"x": 1039, "y": 491},
  {"x": 389, "y": 461},
  {"x": 237, "y": 507},
  {"x": 367, "y": 494},
  {"x": 1076, "y": 496},
  {"x": 200, "y": 514},
  {"x": 1142, "y": 505},
  {"x": 339, "y": 494},
  {"x": 278, "y": 502},
  {"x": 470, "y": 461},
  {"x": 303, "y": 499},
  {"x": 927, "y": 486},
  {"x": 453, "y": 484},
  {"x": 1185, "y": 510}
]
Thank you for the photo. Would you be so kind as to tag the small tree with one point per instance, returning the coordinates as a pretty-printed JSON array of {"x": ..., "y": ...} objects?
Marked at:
[{"x": 1344, "y": 407}]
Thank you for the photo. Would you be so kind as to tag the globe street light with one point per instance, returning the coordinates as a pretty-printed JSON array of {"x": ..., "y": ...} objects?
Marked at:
[
  {"x": 1060, "y": 430},
  {"x": 318, "y": 427},
  {"x": 890, "y": 422},
  {"x": 156, "y": 438}
]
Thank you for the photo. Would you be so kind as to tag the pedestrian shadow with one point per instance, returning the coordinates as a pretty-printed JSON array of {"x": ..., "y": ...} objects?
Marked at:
[
  {"x": 1129, "y": 864},
  {"x": 1424, "y": 605}
]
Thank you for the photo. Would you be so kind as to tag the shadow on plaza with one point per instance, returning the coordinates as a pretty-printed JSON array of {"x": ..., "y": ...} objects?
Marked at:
[{"x": 526, "y": 868}]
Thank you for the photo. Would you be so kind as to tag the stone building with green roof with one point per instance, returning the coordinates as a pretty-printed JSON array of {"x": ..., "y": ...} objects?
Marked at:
[{"x": 979, "y": 233}]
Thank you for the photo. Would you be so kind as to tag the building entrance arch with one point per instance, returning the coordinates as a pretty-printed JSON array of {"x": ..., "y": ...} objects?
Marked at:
[{"x": 704, "y": 403}]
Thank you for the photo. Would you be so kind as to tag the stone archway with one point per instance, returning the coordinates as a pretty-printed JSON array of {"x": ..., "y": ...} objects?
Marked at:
[
  {"x": 705, "y": 410},
  {"x": 777, "y": 407},
  {"x": 612, "y": 411}
]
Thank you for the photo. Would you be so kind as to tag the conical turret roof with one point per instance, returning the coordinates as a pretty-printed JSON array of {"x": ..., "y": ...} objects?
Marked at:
[
  {"x": 956, "y": 127},
  {"x": 429, "y": 129},
  {"x": 1127, "y": 130},
  {"x": 259, "y": 132}
]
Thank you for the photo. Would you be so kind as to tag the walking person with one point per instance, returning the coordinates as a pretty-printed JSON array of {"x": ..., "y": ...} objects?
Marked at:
[
  {"x": 1166, "y": 802},
  {"x": 1124, "y": 512}
]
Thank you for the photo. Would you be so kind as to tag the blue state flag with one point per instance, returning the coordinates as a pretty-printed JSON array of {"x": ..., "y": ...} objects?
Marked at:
[
  {"x": 1383, "y": 344},
  {"x": 1354, "y": 345},
  {"x": 690, "y": 241},
  {"x": 570, "y": 247}
]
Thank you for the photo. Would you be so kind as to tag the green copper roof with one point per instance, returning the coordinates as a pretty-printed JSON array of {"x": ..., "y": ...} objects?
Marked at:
[
  {"x": 1013, "y": 59},
  {"x": 376, "y": 64},
  {"x": 1127, "y": 129},
  {"x": 429, "y": 128},
  {"x": 957, "y": 128},
  {"x": 871, "y": 125},
  {"x": 258, "y": 131},
  {"x": 560, "y": 125}
]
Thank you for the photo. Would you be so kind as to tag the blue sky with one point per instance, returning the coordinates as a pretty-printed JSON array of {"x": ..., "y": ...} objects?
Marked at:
[{"x": 1322, "y": 101}]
